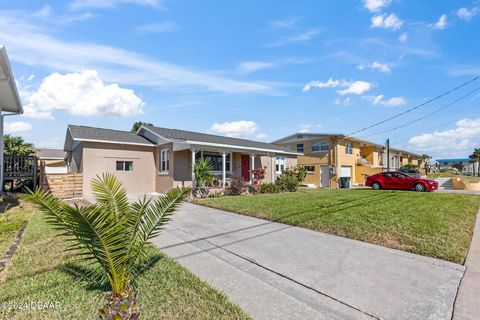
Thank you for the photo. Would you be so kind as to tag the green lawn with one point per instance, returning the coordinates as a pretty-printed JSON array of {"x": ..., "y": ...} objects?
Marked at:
[
  {"x": 433, "y": 224},
  {"x": 10, "y": 223},
  {"x": 41, "y": 271}
]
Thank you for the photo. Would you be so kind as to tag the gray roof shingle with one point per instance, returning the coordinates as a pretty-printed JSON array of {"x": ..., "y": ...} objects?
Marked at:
[
  {"x": 91, "y": 133},
  {"x": 50, "y": 153},
  {"x": 211, "y": 138}
]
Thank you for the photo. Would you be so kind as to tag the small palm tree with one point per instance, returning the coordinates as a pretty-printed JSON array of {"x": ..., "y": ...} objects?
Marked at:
[
  {"x": 17, "y": 145},
  {"x": 203, "y": 171},
  {"x": 113, "y": 234}
]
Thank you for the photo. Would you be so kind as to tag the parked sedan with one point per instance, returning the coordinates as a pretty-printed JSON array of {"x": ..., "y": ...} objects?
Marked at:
[{"x": 399, "y": 180}]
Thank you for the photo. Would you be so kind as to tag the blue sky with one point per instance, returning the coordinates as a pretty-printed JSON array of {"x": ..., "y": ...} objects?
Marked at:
[{"x": 255, "y": 69}]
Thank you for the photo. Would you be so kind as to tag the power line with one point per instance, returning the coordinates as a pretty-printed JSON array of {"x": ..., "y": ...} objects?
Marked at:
[
  {"x": 416, "y": 107},
  {"x": 424, "y": 116}
]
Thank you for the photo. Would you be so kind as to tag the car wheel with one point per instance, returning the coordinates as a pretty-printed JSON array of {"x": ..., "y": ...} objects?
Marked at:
[
  {"x": 420, "y": 187},
  {"x": 376, "y": 186}
]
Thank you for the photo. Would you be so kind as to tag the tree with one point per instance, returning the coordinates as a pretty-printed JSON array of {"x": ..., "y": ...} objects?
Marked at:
[
  {"x": 458, "y": 166},
  {"x": 138, "y": 124},
  {"x": 112, "y": 234},
  {"x": 17, "y": 145},
  {"x": 203, "y": 172},
  {"x": 475, "y": 156},
  {"x": 426, "y": 162}
]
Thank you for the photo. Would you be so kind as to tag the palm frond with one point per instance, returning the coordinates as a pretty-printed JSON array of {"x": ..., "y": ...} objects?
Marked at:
[
  {"x": 154, "y": 219},
  {"x": 109, "y": 192}
]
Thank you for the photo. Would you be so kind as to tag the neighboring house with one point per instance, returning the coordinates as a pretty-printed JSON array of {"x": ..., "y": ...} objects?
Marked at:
[
  {"x": 10, "y": 103},
  {"x": 157, "y": 159},
  {"x": 52, "y": 161},
  {"x": 468, "y": 166},
  {"x": 330, "y": 156}
]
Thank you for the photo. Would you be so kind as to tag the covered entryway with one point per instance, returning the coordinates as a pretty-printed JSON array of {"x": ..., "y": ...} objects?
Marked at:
[{"x": 324, "y": 176}]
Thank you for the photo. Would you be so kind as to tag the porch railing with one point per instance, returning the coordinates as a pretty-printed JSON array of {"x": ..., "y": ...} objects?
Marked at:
[{"x": 17, "y": 167}]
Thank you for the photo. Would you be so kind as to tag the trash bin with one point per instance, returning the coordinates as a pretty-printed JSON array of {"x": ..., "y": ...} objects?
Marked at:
[{"x": 345, "y": 182}]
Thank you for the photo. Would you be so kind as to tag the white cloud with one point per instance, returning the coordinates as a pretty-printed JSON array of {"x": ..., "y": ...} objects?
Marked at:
[
  {"x": 440, "y": 24},
  {"x": 109, "y": 4},
  {"x": 17, "y": 127},
  {"x": 32, "y": 45},
  {"x": 261, "y": 136},
  {"x": 82, "y": 94},
  {"x": 392, "y": 102},
  {"x": 160, "y": 27},
  {"x": 242, "y": 128},
  {"x": 376, "y": 5},
  {"x": 467, "y": 14},
  {"x": 299, "y": 38},
  {"x": 382, "y": 67},
  {"x": 285, "y": 24},
  {"x": 343, "y": 102},
  {"x": 386, "y": 21},
  {"x": 463, "y": 138},
  {"x": 357, "y": 87},
  {"x": 331, "y": 83},
  {"x": 247, "y": 67},
  {"x": 403, "y": 37}
]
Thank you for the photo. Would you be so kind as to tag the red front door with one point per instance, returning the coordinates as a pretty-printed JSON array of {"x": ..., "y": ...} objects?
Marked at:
[{"x": 245, "y": 167}]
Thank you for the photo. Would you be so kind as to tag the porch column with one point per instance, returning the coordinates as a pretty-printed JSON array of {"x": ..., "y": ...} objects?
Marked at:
[
  {"x": 224, "y": 167},
  {"x": 252, "y": 167},
  {"x": 272, "y": 169},
  {"x": 193, "y": 163}
]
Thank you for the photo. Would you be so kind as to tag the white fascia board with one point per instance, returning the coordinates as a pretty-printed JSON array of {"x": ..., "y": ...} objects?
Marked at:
[
  {"x": 114, "y": 142},
  {"x": 229, "y": 146}
]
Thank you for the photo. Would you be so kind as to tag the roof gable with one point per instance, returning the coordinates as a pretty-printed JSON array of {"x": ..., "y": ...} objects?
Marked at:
[
  {"x": 84, "y": 133},
  {"x": 190, "y": 136}
]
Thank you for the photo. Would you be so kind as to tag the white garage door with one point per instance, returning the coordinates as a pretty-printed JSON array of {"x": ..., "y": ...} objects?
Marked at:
[{"x": 346, "y": 172}]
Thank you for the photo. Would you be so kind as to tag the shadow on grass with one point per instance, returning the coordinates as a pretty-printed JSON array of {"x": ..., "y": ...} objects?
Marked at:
[{"x": 94, "y": 279}]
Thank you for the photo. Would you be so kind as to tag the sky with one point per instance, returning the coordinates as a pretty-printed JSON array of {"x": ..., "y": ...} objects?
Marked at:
[{"x": 259, "y": 70}]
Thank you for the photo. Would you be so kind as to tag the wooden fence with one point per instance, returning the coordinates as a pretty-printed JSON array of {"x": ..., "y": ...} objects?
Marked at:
[{"x": 64, "y": 185}]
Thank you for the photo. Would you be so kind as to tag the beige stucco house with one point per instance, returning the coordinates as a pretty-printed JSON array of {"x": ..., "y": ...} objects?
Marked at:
[
  {"x": 156, "y": 159},
  {"x": 327, "y": 157}
]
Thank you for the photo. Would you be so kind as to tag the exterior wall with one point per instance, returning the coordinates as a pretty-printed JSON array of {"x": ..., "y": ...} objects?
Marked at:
[
  {"x": 361, "y": 173},
  {"x": 266, "y": 163},
  {"x": 75, "y": 159},
  {"x": 101, "y": 157},
  {"x": 164, "y": 181}
]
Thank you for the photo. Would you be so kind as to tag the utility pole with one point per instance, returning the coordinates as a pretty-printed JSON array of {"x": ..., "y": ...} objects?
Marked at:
[{"x": 387, "y": 146}]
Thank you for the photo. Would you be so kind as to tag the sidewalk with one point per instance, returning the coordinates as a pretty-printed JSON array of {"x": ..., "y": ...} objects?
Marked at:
[{"x": 467, "y": 304}]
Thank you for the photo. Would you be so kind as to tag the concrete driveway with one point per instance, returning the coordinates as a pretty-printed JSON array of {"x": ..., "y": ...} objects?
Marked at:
[{"x": 276, "y": 271}]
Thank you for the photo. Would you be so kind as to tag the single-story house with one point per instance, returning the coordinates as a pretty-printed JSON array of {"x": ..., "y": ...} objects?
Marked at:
[
  {"x": 330, "y": 156},
  {"x": 156, "y": 159},
  {"x": 468, "y": 166},
  {"x": 52, "y": 161},
  {"x": 10, "y": 103}
]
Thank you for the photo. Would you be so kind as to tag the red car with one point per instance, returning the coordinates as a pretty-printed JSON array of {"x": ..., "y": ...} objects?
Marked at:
[{"x": 399, "y": 180}]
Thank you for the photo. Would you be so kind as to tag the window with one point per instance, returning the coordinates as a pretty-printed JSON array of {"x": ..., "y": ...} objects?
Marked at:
[
  {"x": 164, "y": 160},
  {"x": 216, "y": 160},
  {"x": 310, "y": 169},
  {"x": 280, "y": 164},
  {"x": 348, "y": 148},
  {"x": 300, "y": 147},
  {"x": 319, "y": 146},
  {"x": 124, "y": 165}
]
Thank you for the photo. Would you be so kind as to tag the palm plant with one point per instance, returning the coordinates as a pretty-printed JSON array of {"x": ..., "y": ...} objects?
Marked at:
[
  {"x": 203, "y": 172},
  {"x": 17, "y": 145},
  {"x": 113, "y": 234}
]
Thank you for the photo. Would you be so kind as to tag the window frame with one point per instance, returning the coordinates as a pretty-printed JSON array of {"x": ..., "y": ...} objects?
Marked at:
[
  {"x": 320, "y": 144},
  {"x": 124, "y": 166},
  {"x": 300, "y": 147},
  {"x": 279, "y": 163},
  {"x": 310, "y": 171},
  {"x": 228, "y": 160},
  {"x": 166, "y": 161},
  {"x": 349, "y": 147}
]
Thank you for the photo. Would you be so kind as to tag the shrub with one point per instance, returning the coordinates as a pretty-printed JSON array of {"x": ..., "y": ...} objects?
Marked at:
[
  {"x": 268, "y": 188},
  {"x": 236, "y": 187},
  {"x": 258, "y": 174},
  {"x": 291, "y": 178}
]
